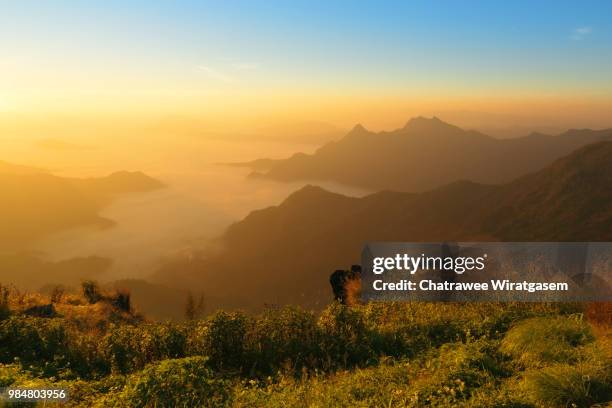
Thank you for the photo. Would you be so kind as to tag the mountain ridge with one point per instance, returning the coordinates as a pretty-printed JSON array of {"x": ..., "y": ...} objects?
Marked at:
[
  {"x": 36, "y": 204},
  {"x": 284, "y": 254},
  {"x": 424, "y": 154}
]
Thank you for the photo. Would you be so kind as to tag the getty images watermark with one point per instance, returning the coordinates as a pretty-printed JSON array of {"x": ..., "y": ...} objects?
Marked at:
[{"x": 487, "y": 271}]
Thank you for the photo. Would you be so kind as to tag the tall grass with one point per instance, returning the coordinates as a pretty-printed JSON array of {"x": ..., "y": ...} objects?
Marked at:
[
  {"x": 541, "y": 340},
  {"x": 378, "y": 354},
  {"x": 565, "y": 385}
]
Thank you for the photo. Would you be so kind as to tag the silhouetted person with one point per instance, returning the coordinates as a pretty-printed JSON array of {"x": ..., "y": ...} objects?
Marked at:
[{"x": 339, "y": 279}]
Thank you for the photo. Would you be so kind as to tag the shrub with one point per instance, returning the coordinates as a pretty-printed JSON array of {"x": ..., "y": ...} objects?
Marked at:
[
  {"x": 186, "y": 382},
  {"x": 121, "y": 349},
  {"x": 36, "y": 342},
  {"x": 91, "y": 291},
  {"x": 345, "y": 337},
  {"x": 57, "y": 294},
  {"x": 546, "y": 339},
  {"x": 163, "y": 340},
  {"x": 224, "y": 342},
  {"x": 122, "y": 301},
  {"x": 128, "y": 348},
  {"x": 287, "y": 338},
  {"x": 85, "y": 357}
]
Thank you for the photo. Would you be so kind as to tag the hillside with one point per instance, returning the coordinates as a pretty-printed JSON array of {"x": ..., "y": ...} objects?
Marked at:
[
  {"x": 34, "y": 204},
  {"x": 119, "y": 182},
  {"x": 381, "y": 354},
  {"x": 284, "y": 254},
  {"x": 157, "y": 302},
  {"x": 425, "y": 154},
  {"x": 31, "y": 272}
]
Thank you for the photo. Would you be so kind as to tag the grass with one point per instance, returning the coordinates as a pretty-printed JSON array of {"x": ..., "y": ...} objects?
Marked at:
[
  {"x": 379, "y": 354},
  {"x": 562, "y": 384},
  {"x": 540, "y": 340}
]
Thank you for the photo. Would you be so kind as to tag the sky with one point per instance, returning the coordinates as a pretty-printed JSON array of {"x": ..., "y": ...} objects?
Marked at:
[{"x": 337, "y": 62}]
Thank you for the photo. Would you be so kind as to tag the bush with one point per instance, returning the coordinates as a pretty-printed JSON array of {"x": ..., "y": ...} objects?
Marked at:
[
  {"x": 128, "y": 348},
  {"x": 224, "y": 342},
  {"x": 345, "y": 337},
  {"x": 121, "y": 349},
  {"x": 543, "y": 340},
  {"x": 287, "y": 338},
  {"x": 91, "y": 291},
  {"x": 57, "y": 294},
  {"x": 24, "y": 339},
  {"x": 122, "y": 301},
  {"x": 186, "y": 382},
  {"x": 36, "y": 342}
]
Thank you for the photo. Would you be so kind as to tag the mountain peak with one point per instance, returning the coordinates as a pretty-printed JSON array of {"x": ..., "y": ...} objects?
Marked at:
[
  {"x": 358, "y": 129},
  {"x": 421, "y": 122},
  {"x": 311, "y": 195},
  {"x": 128, "y": 181},
  {"x": 309, "y": 190}
]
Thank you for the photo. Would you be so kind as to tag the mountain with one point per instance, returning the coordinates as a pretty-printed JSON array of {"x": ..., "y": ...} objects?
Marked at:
[
  {"x": 257, "y": 165},
  {"x": 156, "y": 301},
  {"x": 120, "y": 182},
  {"x": 34, "y": 204},
  {"x": 285, "y": 254},
  {"x": 28, "y": 271},
  {"x": 425, "y": 154},
  {"x": 9, "y": 168}
]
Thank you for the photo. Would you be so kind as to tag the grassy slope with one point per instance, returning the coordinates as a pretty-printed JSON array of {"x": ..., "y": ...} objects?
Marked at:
[{"x": 417, "y": 354}]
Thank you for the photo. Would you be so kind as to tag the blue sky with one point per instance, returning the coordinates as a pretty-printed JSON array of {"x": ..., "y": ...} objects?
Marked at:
[{"x": 522, "y": 48}]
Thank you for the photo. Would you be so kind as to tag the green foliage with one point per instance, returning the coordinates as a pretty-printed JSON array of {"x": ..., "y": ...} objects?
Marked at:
[
  {"x": 186, "y": 382},
  {"x": 542, "y": 340},
  {"x": 379, "y": 354},
  {"x": 456, "y": 371},
  {"x": 564, "y": 385},
  {"x": 128, "y": 348},
  {"x": 225, "y": 341},
  {"x": 346, "y": 338},
  {"x": 33, "y": 341},
  {"x": 446, "y": 377},
  {"x": 288, "y": 338}
]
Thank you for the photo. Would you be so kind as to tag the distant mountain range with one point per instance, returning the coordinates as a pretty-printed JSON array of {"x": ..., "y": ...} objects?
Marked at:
[
  {"x": 158, "y": 302},
  {"x": 9, "y": 168},
  {"x": 424, "y": 154},
  {"x": 285, "y": 254},
  {"x": 35, "y": 203},
  {"x": 28, "y": 271}
]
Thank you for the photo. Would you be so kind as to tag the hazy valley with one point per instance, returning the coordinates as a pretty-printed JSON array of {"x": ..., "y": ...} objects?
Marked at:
[{"x": 199, "y": 227}]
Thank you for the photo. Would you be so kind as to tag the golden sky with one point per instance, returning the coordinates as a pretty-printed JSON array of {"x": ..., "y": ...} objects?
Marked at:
[{"x": 210, "y": 67}]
